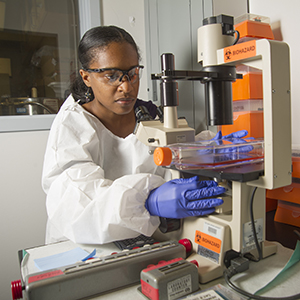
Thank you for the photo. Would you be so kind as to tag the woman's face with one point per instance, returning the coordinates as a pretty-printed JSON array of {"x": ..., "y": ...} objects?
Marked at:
[{"x": 109, "y": 99}]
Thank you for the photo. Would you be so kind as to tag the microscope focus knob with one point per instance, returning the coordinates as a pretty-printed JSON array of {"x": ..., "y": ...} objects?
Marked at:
[{"x": 16, "y": 289}]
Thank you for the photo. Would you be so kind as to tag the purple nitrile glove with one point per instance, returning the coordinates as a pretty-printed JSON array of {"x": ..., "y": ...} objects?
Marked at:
[
  {"x": 180, "y": 198},
  {"x": 234, "y": 138}
]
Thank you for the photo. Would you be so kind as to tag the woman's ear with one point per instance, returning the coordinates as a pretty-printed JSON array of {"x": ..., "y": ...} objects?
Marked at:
[{"x": 86, "y": 77}]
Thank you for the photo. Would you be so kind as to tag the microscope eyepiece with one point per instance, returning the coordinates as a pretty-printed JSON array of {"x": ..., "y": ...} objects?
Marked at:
[{"x": 142, "y": 114}]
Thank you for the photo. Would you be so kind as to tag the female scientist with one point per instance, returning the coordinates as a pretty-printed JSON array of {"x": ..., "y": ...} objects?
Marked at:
[{"x": 100, "y": 181}]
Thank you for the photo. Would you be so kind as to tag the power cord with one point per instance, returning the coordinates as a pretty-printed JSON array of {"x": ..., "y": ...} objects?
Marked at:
[
  {"x": 237, "y": 35},
  {"x": 241, "y": 264},
  {"x": 249, "y": 256}
]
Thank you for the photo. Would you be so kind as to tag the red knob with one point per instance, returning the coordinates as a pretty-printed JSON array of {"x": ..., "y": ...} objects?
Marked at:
[
  {"x": 16, "y": 290},
  {"x": 187, "y": 244},
  {"x": 195, "y": 262}
]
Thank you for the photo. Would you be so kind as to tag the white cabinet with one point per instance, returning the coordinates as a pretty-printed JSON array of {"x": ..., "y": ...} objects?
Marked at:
[{"x": 23, "y": 211}]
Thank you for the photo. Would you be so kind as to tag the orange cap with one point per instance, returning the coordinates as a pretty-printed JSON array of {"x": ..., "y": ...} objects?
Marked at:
[{"x": 162, "y": 156}]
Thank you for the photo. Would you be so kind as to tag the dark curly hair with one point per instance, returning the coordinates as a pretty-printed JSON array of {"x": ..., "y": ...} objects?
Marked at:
[{"x": 92, "y": 40}]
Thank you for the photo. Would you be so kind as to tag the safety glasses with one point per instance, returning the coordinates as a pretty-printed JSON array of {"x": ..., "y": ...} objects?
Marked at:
[{"x": 114, "y": 77}]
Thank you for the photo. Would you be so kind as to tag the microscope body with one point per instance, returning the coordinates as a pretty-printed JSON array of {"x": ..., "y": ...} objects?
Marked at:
[{"x": 229, "y": 231}]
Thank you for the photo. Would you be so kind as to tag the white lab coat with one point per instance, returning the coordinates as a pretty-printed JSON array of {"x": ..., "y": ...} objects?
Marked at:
[{"x": 96, "y": 183}]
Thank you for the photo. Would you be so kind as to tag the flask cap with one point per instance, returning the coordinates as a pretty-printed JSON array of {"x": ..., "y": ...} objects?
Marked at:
[{"x": 162, "y": 156}]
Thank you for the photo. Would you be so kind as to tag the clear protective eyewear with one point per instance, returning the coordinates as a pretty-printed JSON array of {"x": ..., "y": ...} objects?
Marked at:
[{"x": 113, "y": 76}]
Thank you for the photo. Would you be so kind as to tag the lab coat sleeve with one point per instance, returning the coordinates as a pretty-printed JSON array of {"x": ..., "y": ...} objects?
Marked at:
[
  {"x": 116, "y": 210},
  {"x": 81, "y": 204}
]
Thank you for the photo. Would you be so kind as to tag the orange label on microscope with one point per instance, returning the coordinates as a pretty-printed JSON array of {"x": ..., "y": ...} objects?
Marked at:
[
  {"x": 208, "y": 241},
  {"x": 240, "y": 51}
]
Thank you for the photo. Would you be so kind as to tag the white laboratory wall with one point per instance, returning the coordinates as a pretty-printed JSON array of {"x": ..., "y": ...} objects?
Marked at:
[
  {"x": 233, "y": 8},
  {"x": 23, "y": 213},
  {"x": 284, "y": 17},
  {"x": 89, "y": 15},
  {"x": 130, "y": 16}
]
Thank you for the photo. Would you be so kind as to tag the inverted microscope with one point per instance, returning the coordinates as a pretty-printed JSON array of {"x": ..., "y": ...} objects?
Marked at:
[{"x": 237, "y": 228}]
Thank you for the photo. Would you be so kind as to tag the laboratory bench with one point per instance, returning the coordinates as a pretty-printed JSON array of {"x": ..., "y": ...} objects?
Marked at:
[{"x": 256, "y": 277}]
